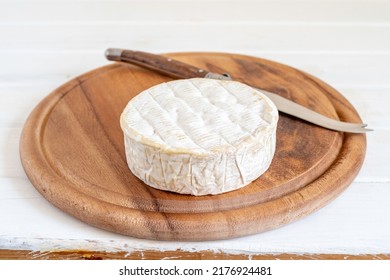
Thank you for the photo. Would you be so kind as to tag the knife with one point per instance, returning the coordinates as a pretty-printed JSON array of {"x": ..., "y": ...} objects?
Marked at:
[{"x": 180, "y": 70}]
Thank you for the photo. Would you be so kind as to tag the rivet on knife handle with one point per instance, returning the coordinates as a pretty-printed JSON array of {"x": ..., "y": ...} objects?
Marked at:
[{"x": 158, "y": 63}]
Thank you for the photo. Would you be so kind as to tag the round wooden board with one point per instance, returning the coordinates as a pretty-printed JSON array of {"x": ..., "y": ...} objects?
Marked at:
[{"x": 72, "y": 151}]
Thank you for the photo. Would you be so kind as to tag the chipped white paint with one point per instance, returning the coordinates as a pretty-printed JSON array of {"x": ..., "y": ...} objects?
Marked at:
[{"x": 44, "y": 44}]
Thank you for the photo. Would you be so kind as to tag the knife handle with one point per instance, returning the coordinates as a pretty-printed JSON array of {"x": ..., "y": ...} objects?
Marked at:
[{"x": 159, "y": 63}]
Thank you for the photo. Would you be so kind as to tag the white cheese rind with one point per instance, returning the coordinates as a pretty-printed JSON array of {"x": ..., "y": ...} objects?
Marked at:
[{"x": 199, "y": 136}]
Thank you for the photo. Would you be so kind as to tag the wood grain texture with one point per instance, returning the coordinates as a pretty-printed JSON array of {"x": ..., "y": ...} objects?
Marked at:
[
  {"x": 72, "y": 151},
  {"x": 174, "y": 255},
  {"x": 166, "y": 66}
]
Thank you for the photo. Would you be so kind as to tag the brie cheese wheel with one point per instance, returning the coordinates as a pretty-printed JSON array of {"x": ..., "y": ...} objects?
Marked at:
[{"x": 199, "y": 136}]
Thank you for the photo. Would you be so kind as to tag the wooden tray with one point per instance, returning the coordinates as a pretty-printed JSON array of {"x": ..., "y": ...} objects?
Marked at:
[{"x": 72, "y": 151}]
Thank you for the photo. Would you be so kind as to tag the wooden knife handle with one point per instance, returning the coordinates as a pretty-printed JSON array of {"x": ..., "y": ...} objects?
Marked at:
[{"x": 159, "y": 63}]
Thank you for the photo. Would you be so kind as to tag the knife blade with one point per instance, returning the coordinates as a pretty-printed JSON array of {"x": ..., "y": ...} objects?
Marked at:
[{"x": 180, "y": 70}]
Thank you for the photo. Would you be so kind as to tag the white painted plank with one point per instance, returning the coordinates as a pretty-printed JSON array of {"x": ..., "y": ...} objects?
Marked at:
[
  {"x": 375, "y": 167},
  {"x": 217, "y": 1},
  {"x": 10, "y": 164},
  {"x": 376, "y": 164},
  {"x": 195, "y": 11},
  {"x": 358, "y": 70},
  {"x": 17, "y": 103},
  {"x": 345, "y": 43},
  {"x": 349, "y": 69},
  {"x": 372, "y": 105},
  {"x": 18, "y": 100},
  {"x": 21, "y": 202},
  {"x": 189, "y": 1},
  {"x": 206, "y": 36},
  {"x": 355, "y": 223}
]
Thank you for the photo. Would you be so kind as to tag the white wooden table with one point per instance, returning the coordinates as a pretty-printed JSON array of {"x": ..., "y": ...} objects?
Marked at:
[{"x": 344, "y": 43}]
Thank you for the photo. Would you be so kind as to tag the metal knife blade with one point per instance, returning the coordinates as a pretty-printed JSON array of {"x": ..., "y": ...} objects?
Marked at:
[{"x": 181, "y": 70}]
